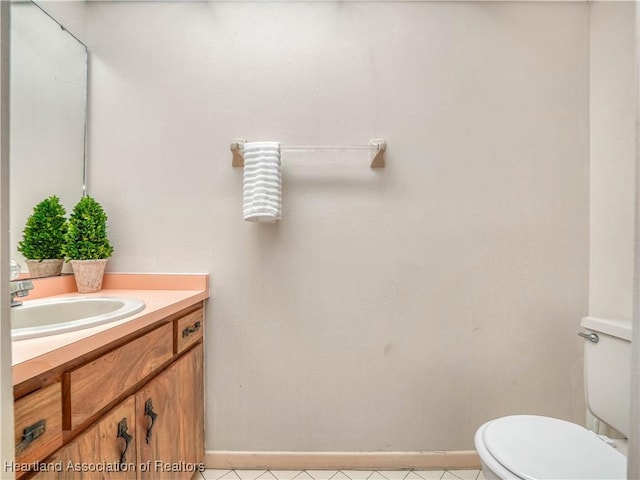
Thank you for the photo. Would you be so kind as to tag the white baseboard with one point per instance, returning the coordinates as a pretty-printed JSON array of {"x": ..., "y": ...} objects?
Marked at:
[{"x": 342, "y": 460}]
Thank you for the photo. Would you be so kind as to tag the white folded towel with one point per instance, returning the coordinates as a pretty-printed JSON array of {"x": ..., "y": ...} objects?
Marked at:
[{"x": 262, "y": 188}]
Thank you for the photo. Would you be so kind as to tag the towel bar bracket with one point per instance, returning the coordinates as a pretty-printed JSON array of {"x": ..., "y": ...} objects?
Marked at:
[
  {"x": 237, "y": 151},
  {"x": 377, "y": 145},
  {"x": 378, "y": 157}
]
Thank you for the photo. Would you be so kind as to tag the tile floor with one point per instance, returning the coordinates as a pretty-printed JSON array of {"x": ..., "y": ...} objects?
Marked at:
[{"x": 342, "y": 475}]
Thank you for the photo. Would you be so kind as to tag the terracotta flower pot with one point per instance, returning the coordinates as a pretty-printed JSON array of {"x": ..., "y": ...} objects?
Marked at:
[
  {"x": 88, "y": 274},
  {"x": 44, "y": 268}
]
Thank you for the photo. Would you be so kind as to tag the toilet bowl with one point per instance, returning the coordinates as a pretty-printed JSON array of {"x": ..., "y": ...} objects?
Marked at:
[{"x": 532, "y": 447}]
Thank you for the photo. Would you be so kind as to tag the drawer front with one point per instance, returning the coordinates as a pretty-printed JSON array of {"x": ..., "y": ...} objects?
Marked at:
[
  {"x": 38, "y": 423},
  {"x": 188, "y": 330},
  {"x": 98, "y": 383}
]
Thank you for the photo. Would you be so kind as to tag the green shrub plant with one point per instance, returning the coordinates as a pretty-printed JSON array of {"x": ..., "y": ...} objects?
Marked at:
[
  {"x": 45, "y": 231},
  {"x": 86, "y": 237}
]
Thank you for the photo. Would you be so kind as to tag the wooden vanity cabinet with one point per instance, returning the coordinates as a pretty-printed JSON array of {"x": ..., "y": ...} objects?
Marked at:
[{"x": 157, "y": 430}]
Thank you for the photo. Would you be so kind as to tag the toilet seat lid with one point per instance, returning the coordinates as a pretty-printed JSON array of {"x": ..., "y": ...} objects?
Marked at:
[{"x": 534, "y": 447}]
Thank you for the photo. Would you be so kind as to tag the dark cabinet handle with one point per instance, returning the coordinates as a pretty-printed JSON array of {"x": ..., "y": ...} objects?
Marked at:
[
  {"x": 30, "y": 433},
  {"x": 148, "y": 410},
  {"x": 189, "y": 330},
  {"x": 122, "y": 433}
]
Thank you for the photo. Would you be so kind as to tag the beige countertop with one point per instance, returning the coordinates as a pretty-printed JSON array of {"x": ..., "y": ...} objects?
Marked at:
[{"x": 163, "y": 295}]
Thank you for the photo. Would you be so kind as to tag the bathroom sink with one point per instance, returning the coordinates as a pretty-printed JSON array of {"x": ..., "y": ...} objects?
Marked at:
[{"x": 39, "y": 318}]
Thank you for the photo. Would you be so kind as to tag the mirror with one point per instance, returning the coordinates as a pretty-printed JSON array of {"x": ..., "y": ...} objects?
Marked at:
[{"x": 48, "y": 92}]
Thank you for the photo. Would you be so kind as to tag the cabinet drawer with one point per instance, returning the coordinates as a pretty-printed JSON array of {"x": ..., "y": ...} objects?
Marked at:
[
  {"x": 98, "y": 383},
  {"x": 38, "y": 423},
  {"x": 188, "y": 330}
]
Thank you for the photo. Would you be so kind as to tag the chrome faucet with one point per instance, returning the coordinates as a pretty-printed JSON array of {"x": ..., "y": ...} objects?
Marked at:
[{"x": 20, "y": 289}]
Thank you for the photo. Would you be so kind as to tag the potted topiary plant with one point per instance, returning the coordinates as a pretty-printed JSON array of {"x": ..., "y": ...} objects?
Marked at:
[
  {"x": 87, "y": 245},
  {"x": 43, "y": 238}
]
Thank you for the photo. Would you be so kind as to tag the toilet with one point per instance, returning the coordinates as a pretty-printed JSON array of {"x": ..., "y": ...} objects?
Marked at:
[{"x": 533, "y": 447}]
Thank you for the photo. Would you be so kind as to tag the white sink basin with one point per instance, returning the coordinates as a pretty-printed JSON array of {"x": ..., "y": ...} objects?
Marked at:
[{"x": 39, "y": 318}]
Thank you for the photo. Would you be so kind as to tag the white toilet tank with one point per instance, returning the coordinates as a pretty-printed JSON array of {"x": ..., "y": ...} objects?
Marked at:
[{"x": 607, "y": 370}]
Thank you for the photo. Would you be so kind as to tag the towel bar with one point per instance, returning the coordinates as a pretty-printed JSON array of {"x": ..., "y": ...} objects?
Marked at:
[{"x": 378, "y": 145}]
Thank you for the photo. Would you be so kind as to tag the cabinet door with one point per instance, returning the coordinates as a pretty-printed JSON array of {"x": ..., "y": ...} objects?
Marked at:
[
  {"x": 158, "y": 425},
  {"x": 106, "y": 451},
  {"x": 191, "y": 405},
  {"x": 170, "y": 413}
]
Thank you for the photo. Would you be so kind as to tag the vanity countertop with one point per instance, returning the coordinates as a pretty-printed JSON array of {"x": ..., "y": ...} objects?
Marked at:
[{"x": 163, "y": 294}]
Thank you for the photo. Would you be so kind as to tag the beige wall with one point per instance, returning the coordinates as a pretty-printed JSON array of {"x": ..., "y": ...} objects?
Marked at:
[
  {"x": 389, "y": 310},
  {"x": 612, "y": 158}
]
